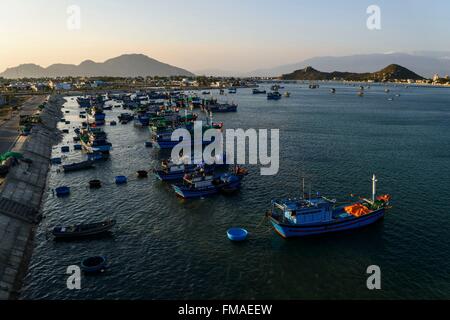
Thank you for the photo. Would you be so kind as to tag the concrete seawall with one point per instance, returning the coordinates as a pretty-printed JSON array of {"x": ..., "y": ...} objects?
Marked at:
[{"x": 20, "y": 198}]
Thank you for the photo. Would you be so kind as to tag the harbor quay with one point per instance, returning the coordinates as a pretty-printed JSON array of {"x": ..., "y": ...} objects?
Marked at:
[{"x": 22, "y": 189}]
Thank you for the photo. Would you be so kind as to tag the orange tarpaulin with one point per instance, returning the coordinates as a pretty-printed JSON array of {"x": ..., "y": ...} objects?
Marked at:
[
  {"x": 357, "y": 210},
  {"x": 384, "y": 198}
]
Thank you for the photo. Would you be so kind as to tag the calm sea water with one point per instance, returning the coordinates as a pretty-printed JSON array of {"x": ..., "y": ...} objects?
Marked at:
[{"x": 166, "y": 248}]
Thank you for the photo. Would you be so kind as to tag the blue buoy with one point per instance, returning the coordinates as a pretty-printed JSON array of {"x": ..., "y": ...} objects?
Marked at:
[
  {"x": 62, "y": 191},
  {"x": 65, "y": 149},
  {"x": 237, "y": 234},
  {"x": 121, "y": 180}
]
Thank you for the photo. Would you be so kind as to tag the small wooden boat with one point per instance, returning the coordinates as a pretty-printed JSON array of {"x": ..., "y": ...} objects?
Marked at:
[
  {"x": 142, "y": 174},
  {"x": 237, "y": 234},
  {"x": 83, "y": 230},
  {"x": 88, "y": 164},
  {"x": 95, "y": 184},
  {"x": 94, "y": 264}
]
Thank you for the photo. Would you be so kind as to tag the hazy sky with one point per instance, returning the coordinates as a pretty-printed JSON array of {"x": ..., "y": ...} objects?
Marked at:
[{"x": 238, "y": 35}]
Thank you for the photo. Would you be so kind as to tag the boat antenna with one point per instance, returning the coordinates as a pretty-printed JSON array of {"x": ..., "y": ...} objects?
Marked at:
[{"x": 374, "y": 188}]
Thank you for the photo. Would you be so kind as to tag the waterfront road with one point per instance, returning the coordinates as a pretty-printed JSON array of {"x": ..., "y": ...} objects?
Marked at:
[{"x": 9, "y": 129}]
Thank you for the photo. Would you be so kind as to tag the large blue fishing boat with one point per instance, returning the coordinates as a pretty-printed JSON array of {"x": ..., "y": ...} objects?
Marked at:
[
  {"x": 201, "y": 185},
  {"x": 96, "y": 116},
  {"x": 320, "y": 215},
  {"x": 221, "y": 107},
  {"x": 170, "y": 171}
]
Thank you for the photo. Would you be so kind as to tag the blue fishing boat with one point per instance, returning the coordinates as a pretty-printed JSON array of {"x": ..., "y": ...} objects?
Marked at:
[
  {"x": 222, "y": 107},
  {"x": 258, "y": 91},
  {"x": 232, "y": 90},
  {"x": 170, "y": 171},
  {"x": 274, "y": 95},
  {"x": 84, "y": 102},
  {"x": 319, "y": 215},
  {"x": 200, "y": 184}
]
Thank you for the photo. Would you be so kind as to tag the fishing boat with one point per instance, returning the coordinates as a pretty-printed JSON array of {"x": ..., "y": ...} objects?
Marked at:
[
  {"x": 88, "y": 164},
  {"x": 275, "y": 95},
  {"x": 96, "y": 116},
  {"x": 83, "y": 230},
  {"x": 200, "y": 184},
  {"x": 125, "y": 117},
  {"x": 170, "y": 171},
  {"x": 232, "y": 90},
  {"x": 222, "y": 107},
  {"x": 257, "y": 91},
  {"x": 84, "y": 102},
  {"x": 163, "y": 139},
  {"x": 320, "y": 215}
]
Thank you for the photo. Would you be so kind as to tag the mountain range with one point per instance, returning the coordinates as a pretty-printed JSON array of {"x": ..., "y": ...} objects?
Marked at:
[
  {"x": 128, "y": 65},
  {"x": 426, "y": 63},
  {"x": 390, "y": 73}
]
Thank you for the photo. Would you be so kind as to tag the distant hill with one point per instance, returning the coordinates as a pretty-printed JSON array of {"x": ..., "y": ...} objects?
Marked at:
[
  {"x": 128, "y": 65},
  {"x": 424, "y": 63},
  {"x": 390, "y": 73}
]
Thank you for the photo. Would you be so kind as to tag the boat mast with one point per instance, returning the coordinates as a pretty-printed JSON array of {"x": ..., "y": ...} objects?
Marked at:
[
  {"x": 374, "y": 188},
  {"x": 303, "y": 185}
]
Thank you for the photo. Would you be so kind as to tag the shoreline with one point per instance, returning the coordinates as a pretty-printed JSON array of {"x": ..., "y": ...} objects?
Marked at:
[{"x": 21, "y": 198}]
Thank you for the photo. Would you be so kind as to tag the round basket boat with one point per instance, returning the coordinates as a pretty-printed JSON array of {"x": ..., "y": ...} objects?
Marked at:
[
  {"x": 94, "y": 264},
  {"x": 237, "y": 234},
  {"x": 62, "y": 191},
  {"x": 121, "y": 180}
]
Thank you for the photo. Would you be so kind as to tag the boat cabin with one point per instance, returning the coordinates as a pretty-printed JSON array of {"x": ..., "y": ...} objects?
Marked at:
[{"x": 304, "y": 211}]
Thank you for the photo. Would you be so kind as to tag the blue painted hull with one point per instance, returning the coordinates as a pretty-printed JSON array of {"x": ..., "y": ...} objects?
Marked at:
[
  {"x": 290, "y": 230},
  {"x": 172, "y": 176},
  {"x": 187, "y": 193},
  {"x": 172, "y": 144},
  {"x": 190, "y": 193}
]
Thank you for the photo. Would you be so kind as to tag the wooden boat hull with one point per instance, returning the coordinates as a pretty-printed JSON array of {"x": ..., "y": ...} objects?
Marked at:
[
  {"x": 97, "y": 229},
  {"x": 290, "y": 230}
]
